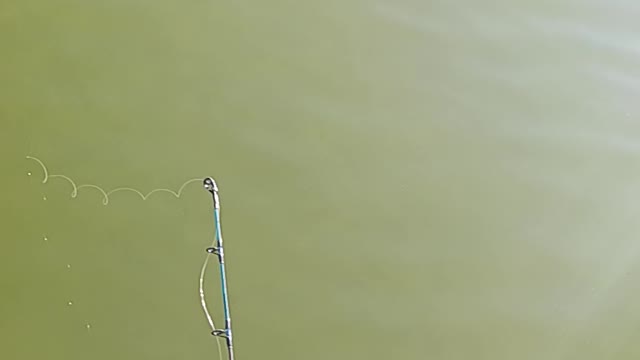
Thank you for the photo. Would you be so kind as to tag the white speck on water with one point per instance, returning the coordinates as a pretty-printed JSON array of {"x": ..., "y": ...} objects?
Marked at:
[
  {"x": 46, "y": 238},
  {"x": 70, "y": 303},
  {"x": 88, "y": 326},
  {"x": 44, "y": 198},
  {"x": 68, "y": 266},
  {"x": 29, "y": 173}
]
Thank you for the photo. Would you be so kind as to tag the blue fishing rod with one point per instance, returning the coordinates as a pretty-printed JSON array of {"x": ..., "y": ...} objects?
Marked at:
[{"x": 211, "y": 186}]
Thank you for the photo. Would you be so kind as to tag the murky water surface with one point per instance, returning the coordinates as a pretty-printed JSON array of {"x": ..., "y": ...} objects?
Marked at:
[{"x": 400, "y": 179}]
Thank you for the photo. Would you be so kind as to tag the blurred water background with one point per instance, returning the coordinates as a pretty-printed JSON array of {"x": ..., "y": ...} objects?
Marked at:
[{"x": 400, "y": 179}]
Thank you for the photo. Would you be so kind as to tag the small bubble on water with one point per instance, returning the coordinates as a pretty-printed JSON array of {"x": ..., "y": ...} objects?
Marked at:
[
  {"x": 29, "y": 173},
  {"x": 88, "y": 326},
  {"x": 70, "y": 303},
  {"x": 44, "y": 198},
  {"x": 68, "y": 266},
  {"x": 46, "y": 238}
]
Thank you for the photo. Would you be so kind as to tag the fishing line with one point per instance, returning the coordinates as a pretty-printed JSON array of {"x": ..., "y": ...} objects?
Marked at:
[
  {"x": 106, "y": 194},
  {"x": 215, "y": 248},
  {"x": 203, "y": 301}
]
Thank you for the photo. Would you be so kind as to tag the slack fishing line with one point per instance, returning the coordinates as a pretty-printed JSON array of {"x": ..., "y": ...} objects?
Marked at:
[
  {"x": 218, "y": 250},
  {"x": 215, "y": 249}
]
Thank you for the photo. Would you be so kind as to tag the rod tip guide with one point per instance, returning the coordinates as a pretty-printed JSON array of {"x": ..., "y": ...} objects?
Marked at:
[{"x": 210, "y": 184}]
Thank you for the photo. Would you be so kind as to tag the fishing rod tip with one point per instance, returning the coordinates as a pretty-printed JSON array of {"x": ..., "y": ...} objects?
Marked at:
[{"x": 210, "y": 185}]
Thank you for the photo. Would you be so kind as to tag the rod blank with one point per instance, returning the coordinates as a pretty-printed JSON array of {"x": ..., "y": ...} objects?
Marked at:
[{"x": 218, "y": 250}]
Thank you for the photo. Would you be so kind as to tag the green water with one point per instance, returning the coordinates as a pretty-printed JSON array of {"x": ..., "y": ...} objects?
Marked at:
[{"x": 399, "y": 179}]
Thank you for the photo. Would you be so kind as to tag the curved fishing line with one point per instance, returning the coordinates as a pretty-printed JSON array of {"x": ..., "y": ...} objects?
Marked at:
[
  {"x": 105, "y": 194},
  {"x": 203, "y": 302},
  {"x": 44, "y": 169},
  {"x": 105, "y": 201}
]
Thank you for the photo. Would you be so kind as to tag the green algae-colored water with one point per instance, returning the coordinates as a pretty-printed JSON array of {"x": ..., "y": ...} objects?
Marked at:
[{"x": 399, "y": 179}]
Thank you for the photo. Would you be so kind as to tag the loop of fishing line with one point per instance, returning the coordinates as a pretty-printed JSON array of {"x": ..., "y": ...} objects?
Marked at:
[{"x": 106, "y": 194}]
